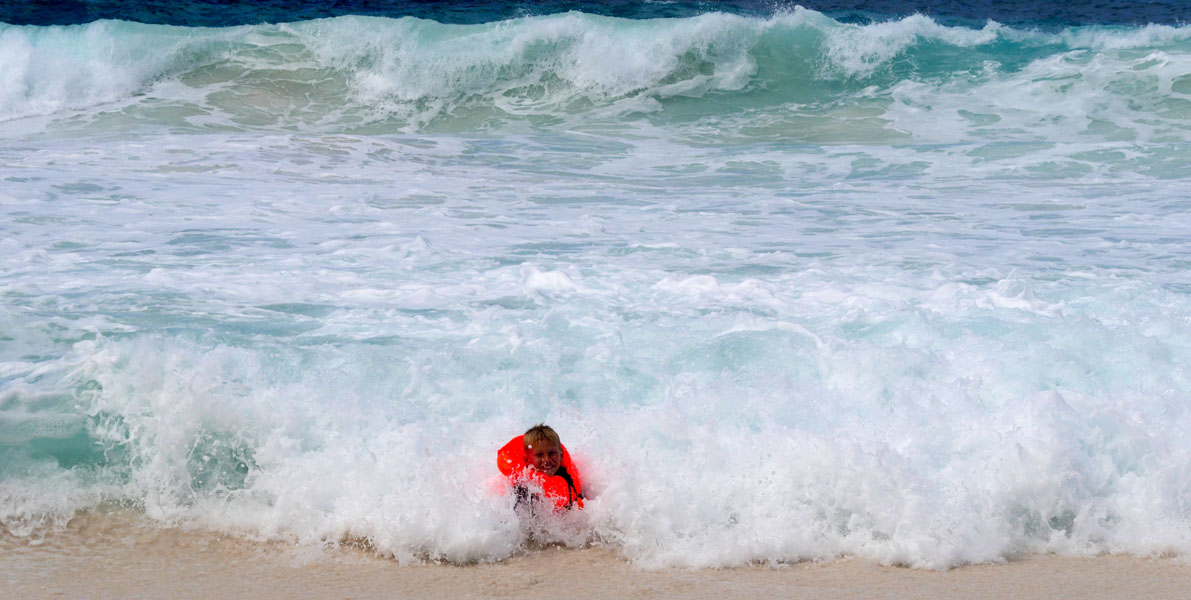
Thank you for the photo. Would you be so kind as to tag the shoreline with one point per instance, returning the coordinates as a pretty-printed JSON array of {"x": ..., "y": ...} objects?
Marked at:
[{"x": 116, "y": 557}]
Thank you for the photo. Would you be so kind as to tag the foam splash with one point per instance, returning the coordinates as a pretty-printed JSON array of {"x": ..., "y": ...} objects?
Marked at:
[{"x": 963, "y": 430}]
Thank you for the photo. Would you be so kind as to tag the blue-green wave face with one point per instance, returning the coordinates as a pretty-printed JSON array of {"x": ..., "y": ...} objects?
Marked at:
[{"x": 793, "y": 77}]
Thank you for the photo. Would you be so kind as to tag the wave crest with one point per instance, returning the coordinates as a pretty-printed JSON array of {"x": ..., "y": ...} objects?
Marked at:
[{"x": 371, "y": 74}]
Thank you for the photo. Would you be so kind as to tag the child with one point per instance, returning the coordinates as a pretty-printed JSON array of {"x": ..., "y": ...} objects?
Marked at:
[{"x": 538, "y": 457}]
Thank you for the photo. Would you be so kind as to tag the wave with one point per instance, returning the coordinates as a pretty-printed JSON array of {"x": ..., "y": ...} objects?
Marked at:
[{"x": 791, "y": 72}]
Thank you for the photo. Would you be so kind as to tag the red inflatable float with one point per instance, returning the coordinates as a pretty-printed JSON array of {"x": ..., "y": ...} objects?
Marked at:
[{"x": 562, "y": 488}]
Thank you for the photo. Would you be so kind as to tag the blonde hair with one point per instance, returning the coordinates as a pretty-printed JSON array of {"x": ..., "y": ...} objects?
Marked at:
[{"x": 541, "y": 433}]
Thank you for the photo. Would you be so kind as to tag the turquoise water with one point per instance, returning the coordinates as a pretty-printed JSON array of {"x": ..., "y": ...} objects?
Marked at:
[{"x": 789, "y": 287}]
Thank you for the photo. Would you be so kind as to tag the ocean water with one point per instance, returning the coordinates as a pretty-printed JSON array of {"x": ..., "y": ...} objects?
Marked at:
[{"x": 791, "y": 283}]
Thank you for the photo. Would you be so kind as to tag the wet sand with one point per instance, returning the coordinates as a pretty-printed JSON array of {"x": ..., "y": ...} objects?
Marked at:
[{"x": 117, "y": 558}]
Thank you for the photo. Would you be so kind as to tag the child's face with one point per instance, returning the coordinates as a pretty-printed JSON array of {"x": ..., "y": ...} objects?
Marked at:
[{"x": 544, "y": 457}]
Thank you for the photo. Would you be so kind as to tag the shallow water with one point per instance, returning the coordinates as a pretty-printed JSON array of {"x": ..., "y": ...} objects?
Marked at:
[{"x": 789, "y": 286}]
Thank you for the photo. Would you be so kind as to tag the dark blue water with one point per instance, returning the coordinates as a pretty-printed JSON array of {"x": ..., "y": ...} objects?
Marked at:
[{"x": 221, "y": 13}]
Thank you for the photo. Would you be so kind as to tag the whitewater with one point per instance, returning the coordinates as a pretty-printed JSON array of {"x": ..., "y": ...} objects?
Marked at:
[{"x": 789, "y": 288}]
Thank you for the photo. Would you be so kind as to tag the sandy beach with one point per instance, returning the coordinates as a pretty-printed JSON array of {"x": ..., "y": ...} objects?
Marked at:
[{"x": 120, "y": 557}]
